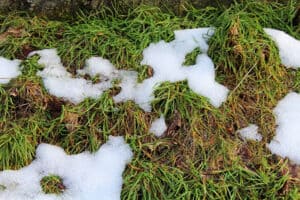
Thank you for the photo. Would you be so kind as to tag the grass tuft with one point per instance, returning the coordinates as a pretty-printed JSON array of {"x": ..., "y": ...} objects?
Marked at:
[{"x": 52, "y": 184}]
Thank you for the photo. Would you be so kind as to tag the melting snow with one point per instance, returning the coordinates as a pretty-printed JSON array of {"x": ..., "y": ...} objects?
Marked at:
[
  {"x": 250, "y": 133},
  {"x": 86, "y": 176},
  {"x": 98, "y": 66},
  {"x": 289, "y": 47},
  {"x": 286, "y": 142},
  {"x": 60, "y": 83},
  {"x": 9, "y": 69},
  {"x": 158, "y": 126},
  {"x": 166, "y": 59}
]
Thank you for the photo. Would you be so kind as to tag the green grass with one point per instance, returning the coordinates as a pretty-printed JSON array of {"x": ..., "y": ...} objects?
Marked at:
[
  {"x": 52, "y": 184},
  {"x": 201, "y": 156}
]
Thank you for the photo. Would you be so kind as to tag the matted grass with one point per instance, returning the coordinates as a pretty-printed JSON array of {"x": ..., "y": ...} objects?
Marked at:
[{"x": 201, "y": 155}]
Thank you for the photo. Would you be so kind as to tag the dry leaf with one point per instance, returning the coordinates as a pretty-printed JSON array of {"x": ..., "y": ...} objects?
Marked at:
[{"x": 12, "y": 31}]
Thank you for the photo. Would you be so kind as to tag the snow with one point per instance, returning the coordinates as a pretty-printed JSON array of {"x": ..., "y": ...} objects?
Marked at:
[
  {"x": 189, "y": 39},
  {"x": 158, "y": 126},
  {"x": 59, "y": 82},
  {"x": 166, "y": 59},
  {"x": 128, "y": 86},
  {"x": 250, "y": 133},
  {"x": 289, "y": 47},
  {"x": 201, "y": 79},
  {"x": 97, "y": 66},
  {"x": 9, "y": 69},
  {"x": 86, "y": 176},
  {"x": 286, "y": 142}
]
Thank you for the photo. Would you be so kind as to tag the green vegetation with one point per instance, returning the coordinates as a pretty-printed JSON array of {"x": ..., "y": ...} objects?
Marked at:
[
  {"x": 52, "y": 184},
  {"x": 200, "y": 156}
]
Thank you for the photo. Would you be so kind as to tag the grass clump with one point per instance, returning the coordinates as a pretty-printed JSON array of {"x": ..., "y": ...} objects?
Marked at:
[
  {"x": 17, "y": 148},
  {"x": 201, "y": 155},
  {"x": 52, "y": 184}
]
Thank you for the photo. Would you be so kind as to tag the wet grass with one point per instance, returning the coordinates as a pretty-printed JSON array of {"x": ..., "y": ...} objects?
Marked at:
[{"x": 201, "y": 155}]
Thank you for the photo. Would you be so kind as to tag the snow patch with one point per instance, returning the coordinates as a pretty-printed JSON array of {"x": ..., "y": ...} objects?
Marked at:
[
  {"x": 289, "y": 47},
  {"x": 9, "y": 69},
  {"x": 158, "y": 126},
  {"x": 250, "y": 133},
  {"x": 97, "y": 66},
  {"x": 59, "y": 82},
  {"x": 286, "y": 142},
  {"x": 128, "y": 85},
  {"x": 86, "y": 176},
  {"x": 167, "y": 60}
]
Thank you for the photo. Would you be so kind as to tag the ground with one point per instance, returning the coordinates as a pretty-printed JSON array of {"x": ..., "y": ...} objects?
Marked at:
[{"x": 200, "y": 156}]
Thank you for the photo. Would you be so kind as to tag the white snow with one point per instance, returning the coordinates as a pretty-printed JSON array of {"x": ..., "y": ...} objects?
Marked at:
[
  {"x": 9, "y": 69},
  {"x": 86, "y": 176},
  {"x": 166, "y": 59},
  {"x": 59, "y": 82},
  {"x": 188, "y": 39},
  {"x": 250, "y": 133},
  {"x": 286, "y": 142},
  {"x": 128, "y": 85},
  {"x": 289, "y": 47},
  {"x": 158, "y": 126},
  {"x": 97, "y": 66}
]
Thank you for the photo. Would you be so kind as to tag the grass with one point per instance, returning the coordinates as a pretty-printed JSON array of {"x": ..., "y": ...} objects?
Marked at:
[
  {"x": 52, "y": 184},
  {"x": 201, "y": 156}
]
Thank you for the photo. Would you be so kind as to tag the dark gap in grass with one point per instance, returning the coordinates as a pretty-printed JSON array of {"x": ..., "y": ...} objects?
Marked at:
[
  {"x": 27, "y": 98},
  {"x": 55, "y": 107},
  {"x": 24, "y": 51},
  {"x": 114, "y": 91},
  {"x": 23, "y": 108}
]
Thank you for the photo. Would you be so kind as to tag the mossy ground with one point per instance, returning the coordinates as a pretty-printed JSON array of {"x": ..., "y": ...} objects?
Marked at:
[{"x": 201, "y": 156}]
